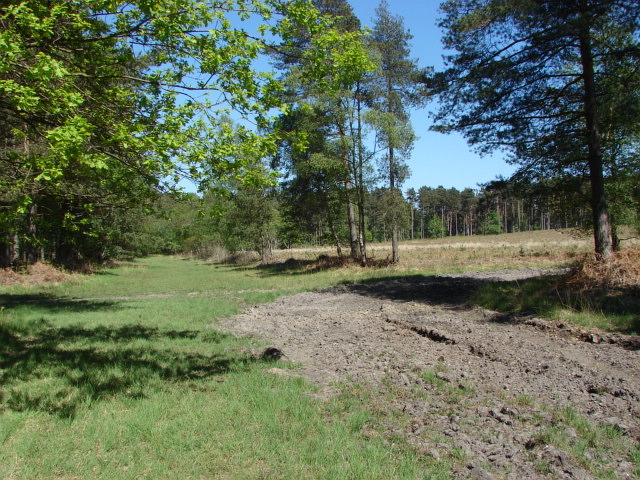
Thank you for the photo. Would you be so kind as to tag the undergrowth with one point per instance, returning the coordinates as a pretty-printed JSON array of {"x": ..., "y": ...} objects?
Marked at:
[{"x": 592, "y": 294}]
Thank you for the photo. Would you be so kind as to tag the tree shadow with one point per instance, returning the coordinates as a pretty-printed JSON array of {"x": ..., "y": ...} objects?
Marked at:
[
  {"x": 59, "y": 370},
  {"x": 56, "y": 304},
  {"x": 450, "y": 292},
  {"x": 540, "y": 297},
  {"x": 294, "y": 266}
]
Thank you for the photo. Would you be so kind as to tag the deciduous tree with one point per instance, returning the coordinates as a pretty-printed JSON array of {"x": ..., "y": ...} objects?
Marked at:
[{"x": 105, "y": 103}]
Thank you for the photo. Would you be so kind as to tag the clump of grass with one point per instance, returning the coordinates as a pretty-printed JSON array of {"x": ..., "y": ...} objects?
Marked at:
[
  {"x": 454, "y": 393},
  {"x": 591, "y": 446}
]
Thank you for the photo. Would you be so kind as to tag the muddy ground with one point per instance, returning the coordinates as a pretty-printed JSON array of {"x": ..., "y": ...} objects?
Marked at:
[{"x": 485, "y": 384}]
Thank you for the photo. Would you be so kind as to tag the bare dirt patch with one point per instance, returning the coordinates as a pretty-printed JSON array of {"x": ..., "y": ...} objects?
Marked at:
[{"x": 486, "y": 384}]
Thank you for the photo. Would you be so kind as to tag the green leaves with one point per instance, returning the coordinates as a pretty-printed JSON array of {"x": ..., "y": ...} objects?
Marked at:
[
  {"x": 337, "y": 60},
  {"x": 106, "y": 102}
]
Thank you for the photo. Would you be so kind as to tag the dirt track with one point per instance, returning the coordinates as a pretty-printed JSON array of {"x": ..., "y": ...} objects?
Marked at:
[{"x": 486, "y": 383}]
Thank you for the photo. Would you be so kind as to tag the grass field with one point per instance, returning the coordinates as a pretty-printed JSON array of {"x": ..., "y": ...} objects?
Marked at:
[
  {"x": 486, "y": 252},
  {"x": 118, "y": 375}
]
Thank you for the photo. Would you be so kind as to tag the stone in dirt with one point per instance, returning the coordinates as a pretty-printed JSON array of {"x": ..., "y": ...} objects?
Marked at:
[{"x": 271, "y": 354}]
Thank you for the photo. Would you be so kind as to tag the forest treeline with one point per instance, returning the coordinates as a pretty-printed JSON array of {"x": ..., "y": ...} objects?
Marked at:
[
  {"x": 109, "y": 106},
  {"x": 222, "y": 226}
]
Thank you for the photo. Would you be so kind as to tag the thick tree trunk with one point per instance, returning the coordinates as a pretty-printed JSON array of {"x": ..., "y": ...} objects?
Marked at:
[
  {"x": 601, "y": 221},
  {"x": 265, "y": 249},
  {"x": 395, "y": 244}
]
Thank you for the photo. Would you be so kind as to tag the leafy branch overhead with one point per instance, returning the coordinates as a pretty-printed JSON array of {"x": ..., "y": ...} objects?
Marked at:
[{"x": 107, "y": 102}]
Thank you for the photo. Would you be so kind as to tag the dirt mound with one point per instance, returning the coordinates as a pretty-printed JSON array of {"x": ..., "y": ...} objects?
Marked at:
[{"x": 487, "y": 385}]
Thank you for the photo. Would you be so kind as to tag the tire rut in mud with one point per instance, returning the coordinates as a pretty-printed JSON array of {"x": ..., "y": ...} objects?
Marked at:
[{"x": 488, "y": 384}]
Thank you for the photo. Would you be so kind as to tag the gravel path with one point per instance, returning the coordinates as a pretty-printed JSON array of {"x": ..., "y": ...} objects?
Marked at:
[{"x": 470, "y": 378}]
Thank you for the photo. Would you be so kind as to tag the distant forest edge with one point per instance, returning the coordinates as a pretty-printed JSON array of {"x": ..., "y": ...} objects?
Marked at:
[
  {"x": 108, "y": 106},
  {"x": 215, "y": 225}
]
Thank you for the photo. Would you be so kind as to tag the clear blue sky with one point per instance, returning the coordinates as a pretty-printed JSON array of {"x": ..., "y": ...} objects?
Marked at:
[{"x": 437, "y": 159}]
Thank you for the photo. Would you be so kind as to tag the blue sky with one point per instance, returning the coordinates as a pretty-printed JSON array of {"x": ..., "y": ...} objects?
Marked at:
[{"x": 436, "y": 159}]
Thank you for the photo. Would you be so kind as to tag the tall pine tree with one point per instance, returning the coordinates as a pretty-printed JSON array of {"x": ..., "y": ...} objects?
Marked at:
[
  {"x": 391, "y": 91},
  {"x": 539, "y": 79}
]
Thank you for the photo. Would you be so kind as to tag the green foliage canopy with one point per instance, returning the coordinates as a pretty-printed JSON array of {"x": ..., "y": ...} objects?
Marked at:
[{"x": 108, "y": 102}]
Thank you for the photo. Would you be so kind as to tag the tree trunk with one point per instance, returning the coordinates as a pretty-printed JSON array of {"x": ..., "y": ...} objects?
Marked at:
[
  {"x": 360, "y": 187},
  {"x": 362, "y": 236},
  {"x": 412, "y": 221},
  {"x": 31, "y": 248},
  {"x": 394, "y": 244},
  {"x": 395, "y": 250},
  {"x": 353, "y": 228},
  {"x": 601, "y": 222},
  {"x": 334, "y": 234},
  {"x": 265, "y": 250},
  {"x": 6, "y": 251}
]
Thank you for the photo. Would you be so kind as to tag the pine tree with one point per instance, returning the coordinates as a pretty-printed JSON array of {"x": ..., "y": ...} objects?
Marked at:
[
  {"x": 391, "y": 91},
  {"x": 537, "y": 79}
]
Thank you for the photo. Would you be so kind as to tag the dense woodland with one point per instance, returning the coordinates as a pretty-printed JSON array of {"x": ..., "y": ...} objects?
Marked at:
[{"x": 108, "y": 106}]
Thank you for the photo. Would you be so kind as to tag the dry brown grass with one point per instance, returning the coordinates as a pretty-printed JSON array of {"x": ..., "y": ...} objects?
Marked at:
[
  {"x": 622, "y": 272},
  {"x": 543, "y": 249},
  {"x": 36, "y": 274}
]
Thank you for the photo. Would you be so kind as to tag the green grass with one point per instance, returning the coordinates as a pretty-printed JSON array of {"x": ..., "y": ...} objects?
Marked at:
[
  {"x": 119, "y": 376},
  {"x": 613, "y": 312},
  {"x": 591, "y": 446}
]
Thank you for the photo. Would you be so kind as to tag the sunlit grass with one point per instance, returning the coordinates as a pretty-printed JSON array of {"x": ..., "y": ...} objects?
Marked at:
[
  {"x": 612, "y": 312},
  {"x": 119, "y": 375}
]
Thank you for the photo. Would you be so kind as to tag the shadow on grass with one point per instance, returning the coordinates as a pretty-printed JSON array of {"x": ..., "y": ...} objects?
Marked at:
[
  {"x": 59, "y": 370},
  {"x": 451, "y": 292},
  {"x": 517, "y": 299},
  {"x": 56, "y": 304},
  {"x": 614, "y": 310},
  {"x": 294, "y": 266}
]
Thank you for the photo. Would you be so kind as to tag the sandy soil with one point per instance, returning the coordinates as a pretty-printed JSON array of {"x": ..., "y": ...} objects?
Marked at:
[{"x": 493, "y": 382}]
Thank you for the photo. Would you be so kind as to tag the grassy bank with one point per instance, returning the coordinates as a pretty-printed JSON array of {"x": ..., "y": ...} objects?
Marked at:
[
  {"x": 118, "y": 376},
  {"x": 592, "y": 295}
]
